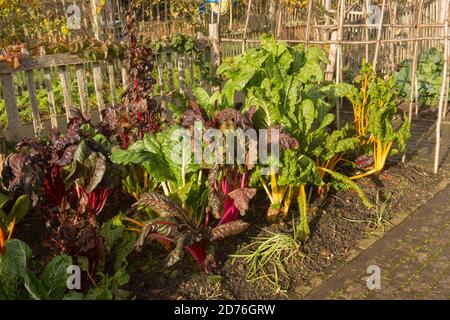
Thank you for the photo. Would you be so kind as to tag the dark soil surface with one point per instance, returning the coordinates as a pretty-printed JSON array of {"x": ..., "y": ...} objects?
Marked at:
[{"x": 337, "y": 223}]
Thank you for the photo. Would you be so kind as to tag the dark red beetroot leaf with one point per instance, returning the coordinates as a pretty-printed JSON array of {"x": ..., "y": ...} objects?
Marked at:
[
  {"x": 198, "y": 251},
  {"x": 54, "y": 186}
]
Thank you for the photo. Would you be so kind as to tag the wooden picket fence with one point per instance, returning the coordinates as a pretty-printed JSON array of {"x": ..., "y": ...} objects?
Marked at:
[
  {"x": 174, "y": 73},
  {"x": 50, "y": 65}
]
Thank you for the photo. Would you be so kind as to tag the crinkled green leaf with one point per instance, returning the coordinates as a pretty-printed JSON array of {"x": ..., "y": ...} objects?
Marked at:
[
  {"x": 111, "y": 231},
  {"x": 20, "y": 208},
  {"x": 54, "y": 277},
  {"x": 4, "y": 199}
]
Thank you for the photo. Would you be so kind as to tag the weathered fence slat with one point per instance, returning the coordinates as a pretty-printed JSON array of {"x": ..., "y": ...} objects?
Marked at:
[
  {"x": 161, "y": 81},
  {"x": 65, "y": 83},
  {"x": 191, "y": 70},
  {"x": 97, "y": 75},
  {"x": 123, "y": 71},
  {"x": 12, "y": 112},
  {"x": 182, "y": 72},
  {"x": 37, "y": 125},
  {"x": 112, "y": 83},
  {"x": 82, "y": 88},
  {"x": 169, "y": 58},
  {"x": 31, "y": 63},
  {"x": 51, "y": 98}
]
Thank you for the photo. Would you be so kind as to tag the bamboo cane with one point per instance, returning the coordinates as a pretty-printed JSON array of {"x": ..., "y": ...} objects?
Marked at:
[
  {"x": 366, "y": 28},
  {"x": 393, "y": 20},
  {"x": 308, "y": 22},
  {"x": 280, "y": 14},
  {"x": 414, "y": 68},
  {"x": 444, "y": 113},
  {"x": 443, "y": 95},
  {"x": 247, "y": 19},
  {"x": 339, "y": 58},
  {"x": 380, "y": 27}
]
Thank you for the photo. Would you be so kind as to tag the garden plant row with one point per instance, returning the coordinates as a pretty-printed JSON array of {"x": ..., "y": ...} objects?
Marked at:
[{"x": 131, "y": 182}]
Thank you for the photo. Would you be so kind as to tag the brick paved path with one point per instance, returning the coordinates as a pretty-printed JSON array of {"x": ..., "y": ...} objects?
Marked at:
[
  {"x": 414, "y": 260},
  {"x": 414, "y": 257}
]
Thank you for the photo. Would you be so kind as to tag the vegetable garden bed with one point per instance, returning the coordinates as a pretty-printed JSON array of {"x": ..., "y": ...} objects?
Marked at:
[
  {"x": 127, "y": 203},
  {"x": 337, "y": 226}
]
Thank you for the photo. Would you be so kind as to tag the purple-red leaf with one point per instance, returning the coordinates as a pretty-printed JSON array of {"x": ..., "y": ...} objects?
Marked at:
[{"x": 242, "y": 198}]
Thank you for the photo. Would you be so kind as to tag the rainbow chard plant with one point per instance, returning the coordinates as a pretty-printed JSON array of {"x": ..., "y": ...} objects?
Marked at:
[
  {"x": 71, "y": 170},
  {"x": 280, "y": 196},
  {"x": 228, "y": 191},
  {"x": 228, "y": 194},
  {"x": 379, "y": 134},
  {"x": 197, "y": 199},
  {"x": 24, "y": 170},
  {"x": 175, "y": 225},
  {"x": 285, "y": 87},
  {"x": 334, "y": 151},
  {"x": 54, "y": 187},
  {"x": 57, "y": 166}
]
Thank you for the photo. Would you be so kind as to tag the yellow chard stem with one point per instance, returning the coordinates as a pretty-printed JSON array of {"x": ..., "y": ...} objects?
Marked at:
[
  {"x": 136, "y": 222},
  {"x": 385, "y": 154},
  {"x": 273, "y": 181},
  {"x": 12, "y": 228},
  {"x": 303, "y": 195},
  {"x": 303, "y": 228},
  {"x": 199, "y": 181},
  {"x": 145, "y": 180},
  {"x": 266, "y": 189},
  {"x": 2, "y": 242},
  {"x": 379, "y": 157},
  {"x": 365, "y": 174},
  {"x": 287, "y": 202},
  {"x": 275, "y": 192},
  {"x": 138, "y": 231}
]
